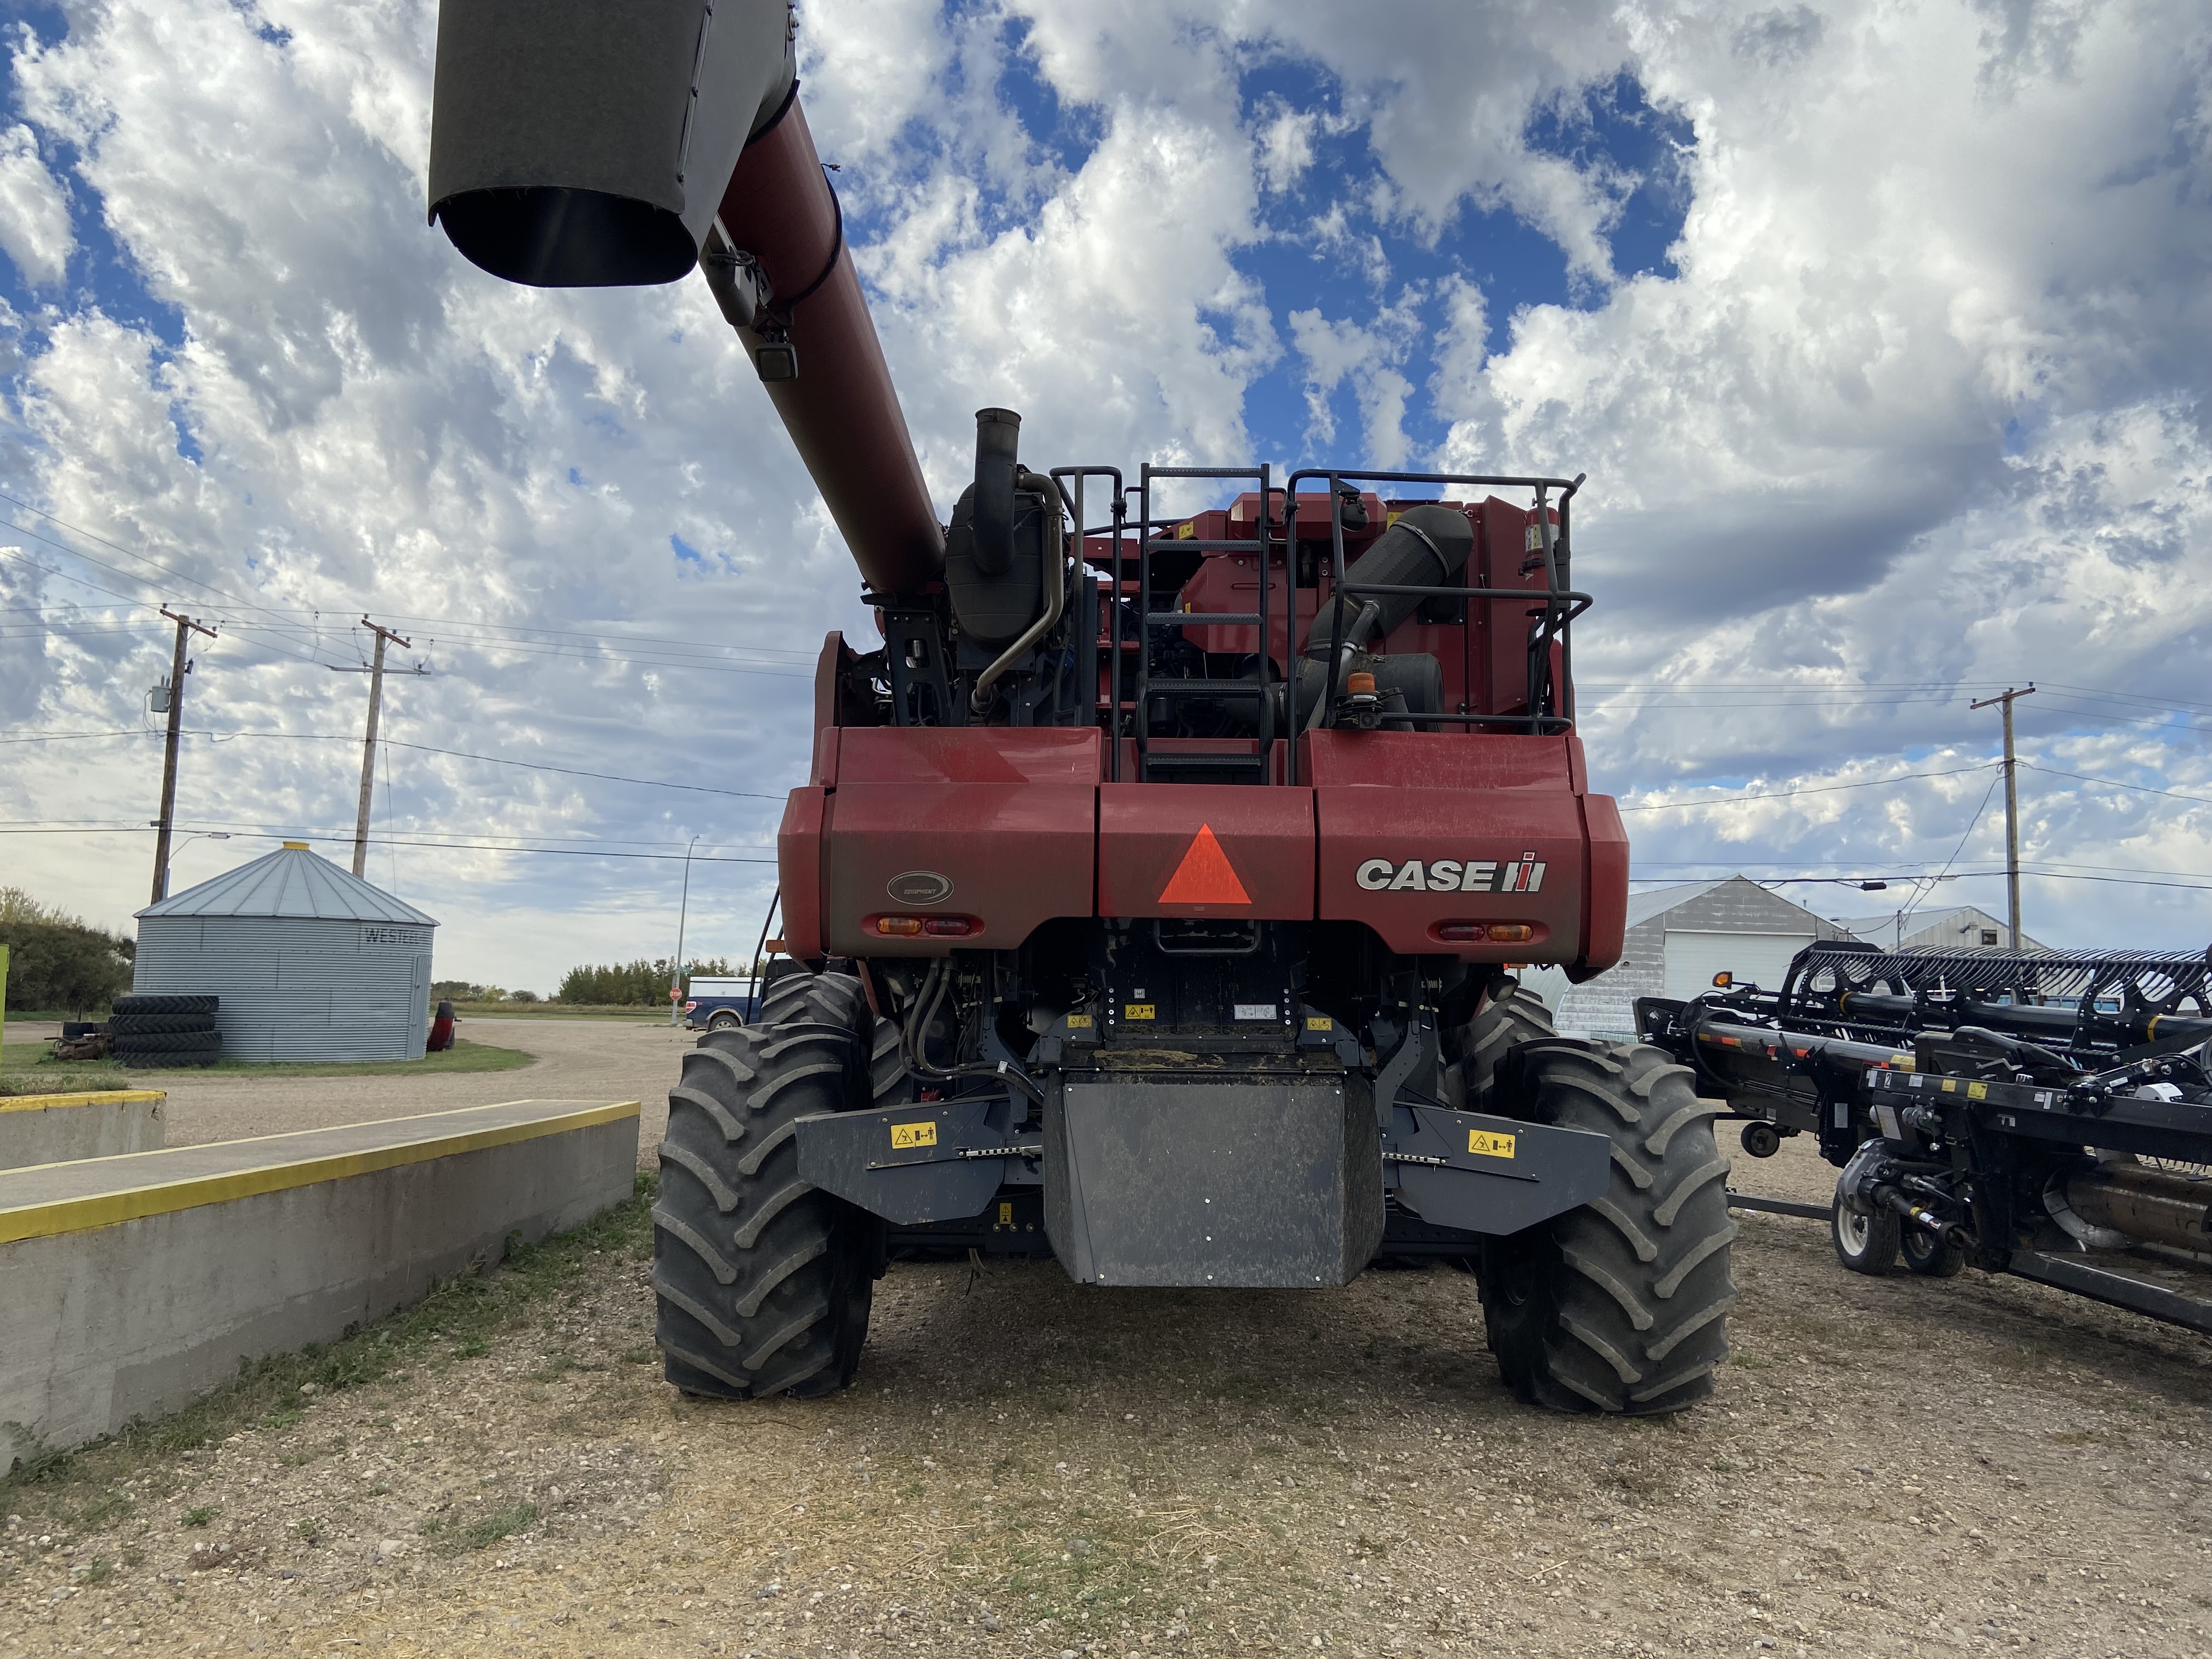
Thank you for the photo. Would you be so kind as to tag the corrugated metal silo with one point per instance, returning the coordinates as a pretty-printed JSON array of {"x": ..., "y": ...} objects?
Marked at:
[{"x": 310, "y": 961}]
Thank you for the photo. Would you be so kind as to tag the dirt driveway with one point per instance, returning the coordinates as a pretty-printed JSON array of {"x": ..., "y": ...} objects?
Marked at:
[{"x": 1031, "y": 1467}]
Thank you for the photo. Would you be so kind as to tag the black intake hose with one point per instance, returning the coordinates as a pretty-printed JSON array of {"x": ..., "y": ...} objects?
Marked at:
[
  {"x": 998, "y": 438},
  {"x": 1426, "y": 548}
]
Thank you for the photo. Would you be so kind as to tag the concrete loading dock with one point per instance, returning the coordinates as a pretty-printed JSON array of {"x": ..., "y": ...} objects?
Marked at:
[
  {"x": 143, "y": 1280},
  {"x": 56, "y": 1129}
]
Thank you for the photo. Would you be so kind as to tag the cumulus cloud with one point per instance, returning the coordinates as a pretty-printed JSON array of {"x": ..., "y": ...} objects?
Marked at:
[
  {"x": 1913, "y": 404},
  {"x": 34, "y": 217}
]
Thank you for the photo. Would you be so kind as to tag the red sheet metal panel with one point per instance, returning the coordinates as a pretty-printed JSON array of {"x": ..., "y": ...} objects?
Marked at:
[
  {"x": 1196, "y": 849},
  {"x": 1419, "y": 832},
  {"x": 994, "y": 827},
  {"x": 799, "y": 859},
  {"x": 1605, "y": 929}
]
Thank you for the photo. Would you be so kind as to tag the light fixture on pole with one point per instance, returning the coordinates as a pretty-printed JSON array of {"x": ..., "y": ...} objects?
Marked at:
[
  {"x": 676, "y": 968},
  {"x": 197, "y": 835}
]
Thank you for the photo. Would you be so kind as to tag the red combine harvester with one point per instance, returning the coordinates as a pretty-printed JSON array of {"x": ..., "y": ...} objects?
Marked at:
[{"x": 1152, "y": 900}]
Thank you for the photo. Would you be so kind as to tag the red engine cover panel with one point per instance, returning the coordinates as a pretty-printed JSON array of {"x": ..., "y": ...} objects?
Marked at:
[
  {"x": 1419, "y": 830},
  {"x": 1195, "y": 849},
  {"x": 799, "y": 863},
  {"x": 1606, "y": 931},
  {"x": 993, "y": 826}
]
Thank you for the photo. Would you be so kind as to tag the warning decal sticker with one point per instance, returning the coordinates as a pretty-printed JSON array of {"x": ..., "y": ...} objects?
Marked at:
[{"x": 1204, "y": 876}]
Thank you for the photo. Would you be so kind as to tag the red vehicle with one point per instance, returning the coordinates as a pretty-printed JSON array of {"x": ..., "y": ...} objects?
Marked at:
[{"x": 1152, "y": 898}]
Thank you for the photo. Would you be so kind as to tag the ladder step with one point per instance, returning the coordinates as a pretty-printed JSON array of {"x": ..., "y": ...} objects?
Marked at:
[
  {"x": 1202, "y": 688},
  {"x": 1164, "y": 618}
]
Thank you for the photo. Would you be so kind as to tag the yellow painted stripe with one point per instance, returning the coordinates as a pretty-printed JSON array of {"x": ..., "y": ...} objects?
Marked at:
[
  {"x": 77, "y": 1215},
  {"x": 97, "y": 1097}
]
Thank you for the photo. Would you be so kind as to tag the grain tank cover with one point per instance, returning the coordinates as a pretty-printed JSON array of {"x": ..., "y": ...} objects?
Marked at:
[
  {"x": 590, "y": 147},
  {"x": 310, "y": 961}
]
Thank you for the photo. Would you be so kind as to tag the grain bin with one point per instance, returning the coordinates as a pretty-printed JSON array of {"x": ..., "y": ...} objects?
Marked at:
[{"x": 310, "y": 962}]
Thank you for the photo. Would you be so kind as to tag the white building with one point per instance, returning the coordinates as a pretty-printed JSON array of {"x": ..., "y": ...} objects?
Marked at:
[
  {"x": 1961, "y": 927},
  {"x": 1678, "y": 938}
]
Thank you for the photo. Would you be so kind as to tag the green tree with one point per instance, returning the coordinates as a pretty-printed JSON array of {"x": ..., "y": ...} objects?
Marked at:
[{"x": 58, "y": 962}]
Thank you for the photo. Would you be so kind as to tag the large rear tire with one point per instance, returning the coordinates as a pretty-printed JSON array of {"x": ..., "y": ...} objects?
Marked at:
[
  {"x": 764, "y": 1280},
  {"x": 1620, "y": 1305},
  {"x": 1510, "y": 1015}
]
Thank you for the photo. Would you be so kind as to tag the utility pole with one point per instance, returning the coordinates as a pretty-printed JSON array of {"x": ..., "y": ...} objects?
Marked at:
[
  {"x": 178, "y": 668},
  {"x": 676, "y": 972},
  {"x": 368, "y": 743},
  {"x": 2011, "y": 806}
]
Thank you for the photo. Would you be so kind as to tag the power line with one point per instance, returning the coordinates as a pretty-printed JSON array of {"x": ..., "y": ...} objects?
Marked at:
[
  {"x": 423, "y": 748},
  {"x": 1815, "y": 789}
]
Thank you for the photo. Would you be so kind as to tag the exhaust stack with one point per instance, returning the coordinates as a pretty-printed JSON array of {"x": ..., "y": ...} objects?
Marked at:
[{"x": 576, "y": 144}]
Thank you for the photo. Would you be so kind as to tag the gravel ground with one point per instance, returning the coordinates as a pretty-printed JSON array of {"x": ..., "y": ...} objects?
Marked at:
[{"x": 1031, "y": 1467}]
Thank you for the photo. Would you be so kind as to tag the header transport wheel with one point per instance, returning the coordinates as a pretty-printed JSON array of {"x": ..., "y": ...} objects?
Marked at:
[
  {"x": 1620, "y": 1305},
  {"x": 764, "y": 1280}
]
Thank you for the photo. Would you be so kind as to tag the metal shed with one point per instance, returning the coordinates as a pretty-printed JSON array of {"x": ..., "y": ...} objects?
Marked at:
[
  {"x": 1678, "y": 938},
  {"x": 310, "y": 961}
]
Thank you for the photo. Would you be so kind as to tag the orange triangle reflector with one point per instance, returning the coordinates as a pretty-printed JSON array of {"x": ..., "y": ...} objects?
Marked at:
[{"x": 1204, "y": 877}]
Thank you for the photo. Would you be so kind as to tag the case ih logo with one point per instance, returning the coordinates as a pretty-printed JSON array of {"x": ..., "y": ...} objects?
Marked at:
[{"x": 1523, "y": 875}]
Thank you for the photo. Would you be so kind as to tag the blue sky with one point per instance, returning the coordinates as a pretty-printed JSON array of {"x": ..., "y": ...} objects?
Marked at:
[{"x": 1881, "y": 332}]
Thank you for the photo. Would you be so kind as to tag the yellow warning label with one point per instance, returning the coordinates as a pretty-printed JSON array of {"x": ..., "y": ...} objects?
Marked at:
[
  {"x": 1005, "y": 1215},
  {"x": 904, "y": 1135},
  {"x": 1185, "y": 532},
  {"x": 1950, "y": 1086},
  {"x": 1978, "y": 1091},
  {"x": 1137, "y": 1010},
  {"x": 1488, "y": 1143},
  {"x": 1902, "y": 1063},
  {"x": 1079, "y": 1021},
  {"x": 1319, "y": 1022}
]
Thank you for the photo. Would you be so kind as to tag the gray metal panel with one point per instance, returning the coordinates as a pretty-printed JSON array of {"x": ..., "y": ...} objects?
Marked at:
[
  {"x": 297, "y": 990},
  {"x": 1154, "y": 1181},
  {"x": 292, "y": 881}
]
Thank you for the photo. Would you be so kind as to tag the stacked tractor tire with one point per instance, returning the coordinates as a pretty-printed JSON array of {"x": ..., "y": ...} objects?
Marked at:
[{"x": 164, "y": 1032}]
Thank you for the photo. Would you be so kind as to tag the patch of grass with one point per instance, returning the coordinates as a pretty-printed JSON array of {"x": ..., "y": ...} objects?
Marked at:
[
  {"x": 99, "y": 1572},
  {"x": 470, "y": 1308},
  {"x": 200, "y": 1514},
  {"x": 458, "y": 1539},
  {"x": 640, "y": 1356},
  {"x": 557, "y": 1366},
  {"x": 641, "y": 1012},
  {"x": 103, "y": 1511}
]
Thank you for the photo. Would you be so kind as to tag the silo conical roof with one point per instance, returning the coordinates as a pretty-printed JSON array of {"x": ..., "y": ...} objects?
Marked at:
[{"x": 292, "y": 881}]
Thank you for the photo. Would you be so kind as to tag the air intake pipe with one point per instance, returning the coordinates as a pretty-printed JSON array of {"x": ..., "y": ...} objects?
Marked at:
[{"x": 577, "y": 144}]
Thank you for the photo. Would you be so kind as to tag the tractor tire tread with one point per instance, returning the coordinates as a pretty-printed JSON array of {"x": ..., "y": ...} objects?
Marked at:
[
  {"x": 753, "y": 1265},
  {"x": 167, "y": 1003},
  {"x": 1620, "y": 1305}
]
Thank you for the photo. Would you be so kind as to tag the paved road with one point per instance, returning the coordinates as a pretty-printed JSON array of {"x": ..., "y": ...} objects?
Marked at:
[{"x": 576, "y": 1060}]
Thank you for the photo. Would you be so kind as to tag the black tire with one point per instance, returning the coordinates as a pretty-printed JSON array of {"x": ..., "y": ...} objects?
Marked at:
[
  {"x": 1620, "y": 1305},
  {"x": 130, "y": 1025},
  {"x": 764, "y": 1281},
  {"x": 1930, "y": 1256},
  {"x": 1864, "y": 1243},
  {"x": 167, "y": 1059},
  {"x": 725, "y": 1021},
  {"x": 1761, "y": 1138},
  {"x": 1510, "y": 1015},
  {"x": 168, "y": 1004},
  {"x": 165, "y": 1043}
]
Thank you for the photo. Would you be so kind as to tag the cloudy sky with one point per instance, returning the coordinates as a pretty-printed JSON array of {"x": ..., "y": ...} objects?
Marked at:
[{"x": 1882, "y": 330}]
